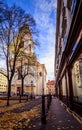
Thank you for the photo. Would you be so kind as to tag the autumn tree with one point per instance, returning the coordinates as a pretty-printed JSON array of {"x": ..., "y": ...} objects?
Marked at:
[
  {"x": 11, "y": 37},
  {"x": 27, "y": 57},
  {"x": 26, "y": 69}
]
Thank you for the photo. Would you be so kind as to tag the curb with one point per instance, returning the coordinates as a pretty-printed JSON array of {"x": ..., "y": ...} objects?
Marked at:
[{"x": 75, "y": 115}]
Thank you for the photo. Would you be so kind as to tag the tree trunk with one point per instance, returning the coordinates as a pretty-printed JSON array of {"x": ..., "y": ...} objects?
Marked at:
[
  {"x": 22, "y": 87},
  {"x": 9, "y": 92}
]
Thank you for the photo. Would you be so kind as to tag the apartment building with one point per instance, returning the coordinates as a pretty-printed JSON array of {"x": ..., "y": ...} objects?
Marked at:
[
  {"x": 3, "y": 82},
  {"x": 68, "y": 54},
  {"x": 51, "y": 87}
]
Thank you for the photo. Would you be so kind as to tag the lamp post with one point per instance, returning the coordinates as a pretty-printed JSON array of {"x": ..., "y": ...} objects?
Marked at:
[
  {"x": 31, "y": 88},
  {"x": 43, "y": 116}
]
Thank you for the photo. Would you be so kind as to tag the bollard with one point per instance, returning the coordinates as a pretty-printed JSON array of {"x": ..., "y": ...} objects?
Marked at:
[
  {"x": 20, "y": 99},
  {"x": 48, "y": 102},
  {"x": 31, "y": 97},
  {"x": 27, "y": 97},
  {"x": 43, "y": 116},
  {"x": 49, "y": 99}
]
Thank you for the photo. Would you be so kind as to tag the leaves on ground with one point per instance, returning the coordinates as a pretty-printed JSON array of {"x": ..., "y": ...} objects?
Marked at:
[{"x": 10, "y": 120}]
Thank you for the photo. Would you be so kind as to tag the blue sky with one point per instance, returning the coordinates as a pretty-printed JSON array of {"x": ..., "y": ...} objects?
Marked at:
[{"x": 44, "y": 13}]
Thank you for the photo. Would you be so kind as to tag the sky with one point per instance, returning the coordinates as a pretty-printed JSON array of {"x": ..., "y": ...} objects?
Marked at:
[{"x": 44, "y": 13}]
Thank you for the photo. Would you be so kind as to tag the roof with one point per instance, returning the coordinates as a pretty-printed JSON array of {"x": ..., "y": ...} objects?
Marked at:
[
  {"x": 38, "y": 64},
  {"x": 50, "y": 82},
  {"x": 3, "y": 71}
]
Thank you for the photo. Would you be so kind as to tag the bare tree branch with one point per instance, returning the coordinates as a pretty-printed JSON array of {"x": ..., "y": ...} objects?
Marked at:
[{"x": 14, "y": 25}]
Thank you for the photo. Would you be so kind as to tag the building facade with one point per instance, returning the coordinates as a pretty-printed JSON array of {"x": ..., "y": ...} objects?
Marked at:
[
  {"x": 3, "y": 82},
  {"x": 33, "y": 73},
  {"x": 68, "y": 54},
  {"x": 40, "y": 78},
  {"x": 51, "y": 87},
  {"x": 34, "y": 82}
]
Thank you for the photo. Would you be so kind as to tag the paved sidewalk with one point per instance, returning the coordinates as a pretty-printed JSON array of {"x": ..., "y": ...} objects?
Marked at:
[{"x": 57, "y": 119}]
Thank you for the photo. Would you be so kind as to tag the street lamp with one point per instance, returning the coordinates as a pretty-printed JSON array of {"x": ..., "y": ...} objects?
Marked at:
[{"x": 43, "y": 116}]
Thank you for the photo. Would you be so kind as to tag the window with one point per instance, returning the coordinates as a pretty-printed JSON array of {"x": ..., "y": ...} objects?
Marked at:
[
  {"x": 73, "y": 6},
  {"x": 19, "y": 73},
  {"x": 40, "y": 73},
  {"x": 31, "y": 83},
  {"x": 77, "y": 79},
  {"x": 30, "y": 47}
]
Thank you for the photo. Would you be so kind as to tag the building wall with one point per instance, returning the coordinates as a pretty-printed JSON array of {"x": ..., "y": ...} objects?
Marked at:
[
  {"x": 37, "y": 78},
  {"x": 51, "y": 87},
  {"x": 77, "y": 78},
  {"x": 68, "y": 56},
  {"x": 3, "y": 82},
  {"x": 63, "y": 86}
]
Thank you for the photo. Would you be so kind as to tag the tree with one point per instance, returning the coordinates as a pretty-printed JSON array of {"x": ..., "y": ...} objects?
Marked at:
[
  {"x": 25, "y": 67},
  {"x": 2, "y": 9},
  {"x": 26, "y": 58},
  {"x": 11, "y": 37}
]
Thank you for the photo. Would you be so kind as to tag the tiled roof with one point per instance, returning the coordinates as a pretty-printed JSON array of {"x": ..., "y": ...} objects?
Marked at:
[{"x": 50, "y": 82}]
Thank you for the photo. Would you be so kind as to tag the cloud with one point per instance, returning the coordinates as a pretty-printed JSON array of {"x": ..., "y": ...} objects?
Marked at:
[
  {"x": 44, "y": 12},
  {"x": 45, "y": 15},
  {"x": 48, "y": 60},
  {"x": 2, "y": 64}
]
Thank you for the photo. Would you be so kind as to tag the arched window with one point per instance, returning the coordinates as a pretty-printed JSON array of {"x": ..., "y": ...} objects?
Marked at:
[{"x": 19, "y": 73}]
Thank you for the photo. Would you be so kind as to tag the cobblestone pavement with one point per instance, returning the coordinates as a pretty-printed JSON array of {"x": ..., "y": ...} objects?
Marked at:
[{"x": 27, "y": 116}]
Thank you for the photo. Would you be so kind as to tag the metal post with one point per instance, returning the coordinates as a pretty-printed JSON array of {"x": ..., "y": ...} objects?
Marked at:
[
  {"x": 31, "y": 88},
  {"x": 48, "y": 101},
  {"x": 19, "y": 96},
  {"x": 43, "y": 116}
]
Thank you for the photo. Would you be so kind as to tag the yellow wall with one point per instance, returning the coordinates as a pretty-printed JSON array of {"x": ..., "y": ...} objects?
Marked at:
[{"x": 3, "y": 82}]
